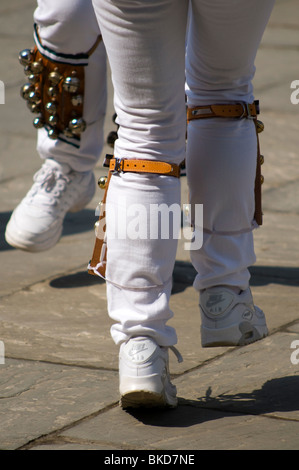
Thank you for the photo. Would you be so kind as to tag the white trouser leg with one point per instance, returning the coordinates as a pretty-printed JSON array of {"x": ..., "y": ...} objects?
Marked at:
[
  {"x": 139, "y": 262},
  {"x": 69, "y": 27},
  {"x": 221, "y": 156},
  {"x": 145, "y": 44}
]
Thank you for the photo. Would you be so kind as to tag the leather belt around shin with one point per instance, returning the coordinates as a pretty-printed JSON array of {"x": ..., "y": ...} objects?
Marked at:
[
  {"x": 97, "y": 265},
  {"x": 238, "y": 111}
]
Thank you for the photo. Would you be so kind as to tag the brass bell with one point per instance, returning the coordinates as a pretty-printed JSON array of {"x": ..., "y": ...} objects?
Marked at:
[
  {"x": 55, "y": 77},
  {"x": 36, "y": 67},
  {"x": 39, "y": 122},
  {"x": 53, "y": 120},
  {"x": 33, "y": 78},
  {"x": 262, "y": 159},
  {"x": 52, "y": 92},
  {"x": 68, "y": 133},
  {"x": 259, "y": 126},
  {"x": 51, "y": 108},
  {"x": 53, "y": 134},
  {"x": 102, "y": 182},
  {"x": 34, "y": 97},
  {"x": 77, "y": 126},
  {"x": 27, "y": 71},
  {"x": 26, "y": 57},
  {"x": 77, "y": 100},
  {"x": 71, "y": 84},
  {"x": 34, "y": 107},
  {"x": 99, "y": 210},
  {"x": 26, "y": 90}
]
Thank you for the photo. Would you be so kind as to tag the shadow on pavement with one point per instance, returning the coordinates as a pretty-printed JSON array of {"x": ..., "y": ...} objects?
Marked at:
[
  {"x": 276, "y": 395},
  {"x": 184, "y": 274},
  {"x": 74, "y": 223}
]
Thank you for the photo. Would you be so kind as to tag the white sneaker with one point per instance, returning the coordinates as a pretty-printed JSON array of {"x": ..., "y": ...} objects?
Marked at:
[
  {"x": 36, "y": 223},
  {"x": 144, "y": 375},
  {"x": 230, "y": 319}
]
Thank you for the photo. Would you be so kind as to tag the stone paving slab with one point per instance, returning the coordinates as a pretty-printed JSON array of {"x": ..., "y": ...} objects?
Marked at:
[
  {"x": 59, "y": 384},
  {"x": 187, "y": 428},
  {"x": 221, "y": 407},
  {"x": 37, "y": 398}
]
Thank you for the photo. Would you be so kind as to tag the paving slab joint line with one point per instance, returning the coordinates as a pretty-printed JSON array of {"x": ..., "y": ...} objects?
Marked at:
[
  {"x": 47, "y": 279},
  {"x": 65, "y": 440},
  {"x": 231, "y": 350},
  {"x": 54, "y": 434},
  {"x": 284, "y": 328}
]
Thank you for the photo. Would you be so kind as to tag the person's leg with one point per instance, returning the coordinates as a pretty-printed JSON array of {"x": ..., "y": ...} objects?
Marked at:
[
  {"x": 221, "y": 155},
  {"x": 69, "y": 46},
  {"x": 146, "y": 48},
  {"x": 67, "y": 31}
]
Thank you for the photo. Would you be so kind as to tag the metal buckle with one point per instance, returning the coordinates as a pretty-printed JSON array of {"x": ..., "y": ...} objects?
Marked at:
[
  {"x": 119, "y": 165},
  {"x": 249, "y": 115},
  {"x": 201, "y": 111},
  {"x": 246, "y": 111}
]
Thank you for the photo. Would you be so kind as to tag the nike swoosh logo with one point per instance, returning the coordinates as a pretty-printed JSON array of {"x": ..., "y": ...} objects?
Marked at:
[
  {"x": 214, "y": 301},
  {"x": 137, "y": 350}
]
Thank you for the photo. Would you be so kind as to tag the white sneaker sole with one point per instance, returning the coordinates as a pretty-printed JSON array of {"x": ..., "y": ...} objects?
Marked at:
[
  {"x": 145, "y": 399},
  {"x": 21, "y": 243},
  {"x": 147, "y": 392}
]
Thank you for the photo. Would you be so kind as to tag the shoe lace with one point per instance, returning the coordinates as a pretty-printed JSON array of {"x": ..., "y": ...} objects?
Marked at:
[
  {"x": 50, "y": 183},
  {"x": 176, "y": 353}
]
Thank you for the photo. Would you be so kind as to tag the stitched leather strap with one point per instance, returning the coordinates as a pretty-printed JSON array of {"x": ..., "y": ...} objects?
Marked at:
[
  {"x": 144, "y": 166},
  {"x": 238, "y": 110},
  {"x": 97, "y": 265}
]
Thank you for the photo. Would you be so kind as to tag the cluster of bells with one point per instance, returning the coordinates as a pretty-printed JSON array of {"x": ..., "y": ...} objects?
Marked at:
[
  {"x": 259, "y": 128},
  {"x": 31, "y": 93}
]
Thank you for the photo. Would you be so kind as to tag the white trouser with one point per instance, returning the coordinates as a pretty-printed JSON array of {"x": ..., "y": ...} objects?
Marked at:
[
  {"x": 67, "y": 29},
  {"x": 145, "y": 43}
]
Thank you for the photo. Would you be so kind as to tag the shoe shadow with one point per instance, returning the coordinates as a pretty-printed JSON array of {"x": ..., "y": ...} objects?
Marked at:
[
  {"x": 184, "y": 275},
  {"x": 4, "y": 218},
  {"x": 276, "y": 395},
  {"x": 75, "y": 280}
]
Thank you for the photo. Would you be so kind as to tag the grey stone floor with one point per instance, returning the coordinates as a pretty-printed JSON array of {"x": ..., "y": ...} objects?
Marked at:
[{"x": 59, "y": 382}]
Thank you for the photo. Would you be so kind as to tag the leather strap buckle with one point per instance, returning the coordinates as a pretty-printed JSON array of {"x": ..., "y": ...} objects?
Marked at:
[
  {"x": 239, "y": 110},
  {"x": 118, "y": 165},
  {"x": 246, "y": 111}
]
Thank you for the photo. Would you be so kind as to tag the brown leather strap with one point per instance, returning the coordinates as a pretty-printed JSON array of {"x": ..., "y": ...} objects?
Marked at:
[
  {"x": 238, "y": 110},
  {"x": 144, "y": 166},
  {"x": 258, "y": 214},
  {"x": 97, "y": 265},
  {"x": 91, "y": 51}
]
